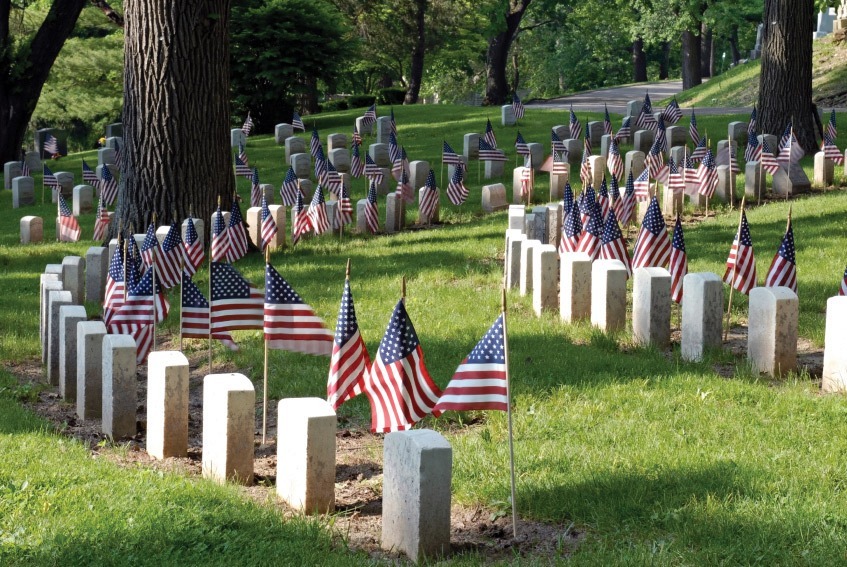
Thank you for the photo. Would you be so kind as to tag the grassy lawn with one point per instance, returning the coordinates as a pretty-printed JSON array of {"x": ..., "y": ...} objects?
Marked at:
[{"x": 658, "y": 460}]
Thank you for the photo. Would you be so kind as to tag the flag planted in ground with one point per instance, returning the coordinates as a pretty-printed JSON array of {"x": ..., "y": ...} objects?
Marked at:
[
  {"x": 652, "y": 246},
  {"x": 236, "y": 304},
  {"x": 67, "y": 229},
  {"x": 349, "y": 361},
  {"x": 193, "y": 248},
  {"x": 678, "y": 262},
  {"x": 741, "y": 265},
  {"x": 783, "y": 269},
  {"x": 195, "y": 315},
  {"x": 289, "y": 323}
]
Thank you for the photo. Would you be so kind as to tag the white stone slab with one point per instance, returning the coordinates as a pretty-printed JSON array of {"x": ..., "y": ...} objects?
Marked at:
[
  {"x": 702, "y": 314},
  {"x": 470, "y": 146},
  {"x": 167, "y": 404},
  {"x": 89, "y": 369},
  {"x": 507, "y": 115},
  {"x": 47, "y": 283},
  {"x": 23, "y": 192},
  {"x": 55, "y": 300},
  {"x": 83, "y": 199},
  {"x": 73, "y": 277},
  {"x": 633, "y": 162},
  {"x": 772, "y": 330},
  {"x": 545, "y": 278},
  {"x": 120, "y": 384},
  {"x": 229, "y": 402},
  {"x": 824, "y": 170},
  {"x": 418, "y": 171},
  {"x": 527, "y": 257},
  {"x": 336, "y": 141},
  {"x": 651, "y": 307},
  {"x": 282, "y": 132},
  {"x": 834, "y": 354},
  {"x": 575, "y": 286},
  {"x": 69, "y": 316},
  {"x": 608, "y": 295},
  {"x": 514, "y": 239},
  {"x": 294, "y": 145},
  {"x": 395, "y": 213},
  {"x": 494, "y": 198},
  {"x": 379, "y": 153},
  {"x": 32, "y": 230}
]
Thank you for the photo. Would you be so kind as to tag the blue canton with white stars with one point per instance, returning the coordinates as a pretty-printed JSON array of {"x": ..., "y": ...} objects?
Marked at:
[
  {"x": 228, "y": 283},
  {"x": 192, "y": 297},
  {"x": 346, "y": 324},
  {"x": 277, "y": 289},
  {"x": 489, "y": 350},
  {"x": 400, "y": 339},
  {"x": 786, "y": 248}
]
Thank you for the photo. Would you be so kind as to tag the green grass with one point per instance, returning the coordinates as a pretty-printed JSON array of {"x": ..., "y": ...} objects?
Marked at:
[{"x": 657, "y": 460}]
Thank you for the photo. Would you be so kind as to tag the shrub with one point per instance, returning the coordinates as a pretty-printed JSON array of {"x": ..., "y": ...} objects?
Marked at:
[
  {"x": 391, "y": 95},
  {"x": 333, "y": 105},
  {"x": 360, "y": 100}
]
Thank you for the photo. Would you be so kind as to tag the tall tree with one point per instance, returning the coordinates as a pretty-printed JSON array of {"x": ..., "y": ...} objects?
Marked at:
[
  {"x": 416, "y": 68},
  {"x": 497, "y": 55},
  {"x": 690, "y": 59},
  {"x": 176, "y": 110},
  {"x": 785, "y": 83}
]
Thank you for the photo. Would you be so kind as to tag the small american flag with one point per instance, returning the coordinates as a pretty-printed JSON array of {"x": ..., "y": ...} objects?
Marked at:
[
  {"x": 119, "y": 155},
  {"x": 586, "y": 202},
  {"x": 400, "y": 164},
  {"x": 371, "y": 210},
  {"x": 114, "y": 296},
  {"x": 49, "y": 179},
  {"x": 751, "y": 126},
  {"x": 607, "y": 122},
  {"x": 350, "y": 360},
  {"x": 614, "y": 244},
  {"x": 700, "y": 150},
  {"x": 787, "y": 134},
  {"x": 141, "y": 303},
  {"x": 108, "y": 185},
  {"x": 398, "y": 384},
  {"x": 404, "y": 188},
  {"x": 674, "y": 182},
  {"x": 242, "y": 155},
  {"x": 297, "y": 122},
  {"x": 448, "y": 156},
  {"x": 429, "y": 198},
  {"x": 652, "y": 246},
  {"x": 480, "y": 382},
  {"x": 88, "y": 175},
  {"x": 302, "y": 225},
  {"x": 488, "y": 153},
  {"x": 571, "y": 232},
  {"x": 289, "y": 323},
  {"x": 689, "y": 173},
  {"x": 237, "y": 233},
  {"x": 101, "y": 223},
  {"x": 567, "y": 200},
  {"x": 672, "y": 113},
  {"x": 693, "y": 133},
  {"x": 247, "y": 127},
  {"x": 489, "y": 136},
  {"x": 393, "y": 148},
  {"x": 750, "y": 149},
  {"x": 51, "y": 145},
  {"x": 169, "y": 263},
  {"x": 193, "y": 248},
  {"x": 574, "y": 125},
  {"x": 517, "y": 106},
  {"x": 527, "y": 181},
  {"x": 255, "y": 189},
  {"x": 334, "y": 182},
  {"x": 641, "y": 185},
  {"x": 150, "y": 246},
  {"x": 614, "y": 192},
  {"x": 591, "y": 240},
  {"x": 678, "y": 262},
  {"x": 241, "y": 168},
  {"x": 68, "y": 228},
  {"x": 134, "y": 264},
  {"x": 769, "y": 162},
  {"x": 661, "y": 134},
  {"x": 655, "y": 161},
  {"x": 521, "y": 147},
  {"x": 25, "y": 171},
  {"x": 830, "y": 150},
  {"x": 357, "y": 138},
  {"x": 456, "y": 190},
  {"x": 372, "y": 171},
  {"x": 357, "y": 168},
  {"x": 843, "y": 290},
  {"x": 370, "y": 115},
  {"x": 625, "y": 129},
  {"x": 392, "y": 123},
  {"x": 707, "y": 173},
  {"x": 615, "y": 162},
  {"x": 585, "y": 174},
  {"x": 560, "y": 166},
  {"x": 315, "y": 145},
  {"x": 195, "y": 315},
  {"x": 290, "y": 188},
  {"x": 220, "y": 239},
  {"x": 626, "y": 208},
  {"x": 646, "y": 118},
  {"x": 344, "y": 214},
  {"x": 317, "y": 212},
  {"x": 236, "y": 304},
  {"x": 831, "y": 128},
  {"x": 556, "y": 143},
  {"x": 741, "y": 265},
  {"x": 783, "y": 270},
  {"x": 603, "y": 198},
  {"x": 727, "y": 156},
  {"x": 586, "y": 142}
]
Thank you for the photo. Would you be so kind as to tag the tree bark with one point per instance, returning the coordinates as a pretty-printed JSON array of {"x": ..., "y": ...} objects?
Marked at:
[
  {"x": 785, "y": 83},
  {"x": 639, "y": 61},
  {"x": 107, "y": 10},
  {"x": 497, "y": 55},
  {"x": 733, "y": 46},
  {"x": 664, "y": 62},
  {"x": 176, "y": 111},
  {"x": 23, "y": 77},
  {"x": 690, "y": 60},
  {"x": 706, "y": 52},
  {"x": 418, "y": 52}
]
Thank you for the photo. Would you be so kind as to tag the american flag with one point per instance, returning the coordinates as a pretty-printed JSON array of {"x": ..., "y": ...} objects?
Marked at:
[
  {"x": 448, "y": 156},
  {"x": 357, "y": 138},
  {"x": 195, "y": 315},
  {"x": 700, "y": 150},
  {"x": 652, "y": 246},
  {"x": 456, "y": 191},
  {"x": 689, "y": 172},
  {"x": 585, "y": 174},
  {"x": 220, "y": 239},
  {"x": 560, "y": 166},
  {"x": 693, "y": 133},
  {"x": 237, "y": 233},
  {"x": 615, "y": 162},
  {"x": 527, "y": 182},
  {"x": 369, "y": 117},
  {"x": 769, "y": 162},
  {"x": 255, "y": 189},
  {"x": 662, "y": 134},
  {"x": 678, "y": 262},
  {"x": 521, "y": 147},
  {"x": 614, "y": 192},
  {"x": 119, "y": 155},
  {"x": 641, "y": 186},
  {"x": 101, "y": 223},
  {"x": 108, "y": 185},
  {"x": 169, "y": 262},
  {"x": 317, "y": 212},
  {"x": 567, "y": 200},
  {"x": 149, "y": 246},
  {"x": 488, "y": 153},
  {"x": 480, "y": 382},
  {"x": 517, "y": 106},
  {"x": 236, "y": 304},
  {"x": 625, "y": 209},
  {"x": 404, "y": 188},
  {"x": 625, "y": 129},
  {"x": 400, "y": 165},
  {"x": 51, "y": 145},
  {"x": 241, "y": 168},
  {"x": 289, "y": 323},
  {"x": 556, "y": 143},
  {"x": 575, "y": 126},
  {"x": 830, "y": 150},
  {"x": 707, "y": 173},
  {"x": 302, "y": 225},
  {"x": 672, "y": 113},
  {"x": 114, "y": 296},
  {"x": 344, "y": 212},
  {"x": 134, "y": 264},
  {"x": 371, "y": 210},
  {"x": 242, "y": 155},
  {"x": 603, "y": 198},
  {"x": 315, "y": 145},
  {"x": 50, "y": 179},
  {"x": 783, "y": 270},
  {"x": 728, "y": 156},
  {"x": 25, "y": 171},
  {"x": 320, "y": 167},
  {"x": 290, "y": 188},
  {"x": 831, "y": 128},
  {"x": 674, "y": 182},
  {"x": 193, "y": 248},
  {"x": 607, "y": 122},
  {"x": 393, "y": 148},
  {"x": 334, "y": 182},
  {"x": 614, "y": 244},
  {"x": 750, "y": 148},
  {"x": 591, "y": 240},
  {"x": 586, "y": 142},
  {"x": 357, "y": 168},
  {"x": 372, "y": 171},
  {"x": 398, "y": 384},
  {"x": 88, "y": 175},
  {"x": 297, "y": 122},
  {"x": 489, "y": 136},
  {"x": 142, "y": 303},
  {"x": 247, "y": 127},
  {"x": 350, "y": 360},
  {"x": 751, "y": 126},
  {"x": 786, "y": 136},
  {"x": 586, "y": 202},
  {"x": 571, "y": 232},
  {"x": 646, "y": 118},
  {"x": 429, "y": 198},
  {"x": 68, "y": 228},
  {"x": 392, "y": 123},
  {"x": 843, "y": 290},
  {"x": 741, "y": 265}
]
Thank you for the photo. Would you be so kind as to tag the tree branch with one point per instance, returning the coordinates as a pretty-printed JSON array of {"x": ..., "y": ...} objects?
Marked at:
[
  {"x": 104, "y": 7},
  {"x": 538, "y": 25}
]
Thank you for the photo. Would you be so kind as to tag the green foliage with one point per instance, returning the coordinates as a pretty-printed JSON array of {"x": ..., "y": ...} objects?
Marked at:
[
  {"x": 360, "y": 100},
  {"x": 335, "y": 105},
  {"x": 391, "y": 95}
]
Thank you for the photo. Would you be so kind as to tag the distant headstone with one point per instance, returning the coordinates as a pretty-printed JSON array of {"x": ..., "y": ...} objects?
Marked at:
[
  {"x": 340, "y": 159},
  {"x": 11, "y": 169},
  {"x": 494, "y": 198},
  {"x": 493, "y": 169},
  {"x": 96, "y": 270},
  {"x": 379, "y": 153},
  {"x": 527, "y": 257},
  {"x": 536, "y": 155},
  {"x": 517, "y": 217},
  {"x": 824, "y": 170},
  {"x": 119, "y": 386},
  {"x": 573, "y": 152},
  {"x": 737, "y": 132},
  {"x": 229, "y": 402},
  {"x": 294, "y": 145},
  {"x": 721, "y": 157},
  {"x": 678, "y": 154},
  {"x": 702, "y": 314},
  {"x": 634, "y": 162},
  {"x": 595, "y": 132},
  {"x": 434, "y": 218},
  {"x": 282, "y": 132},
  {"x": 671, "y": 202},
  {"x": 575, "y": 286},
  {"x": 73, "y": 277},
  {"x": 834, "y": 354},
  {"x": 676, "y": 136},
  {"x": 545, "y": 278},
  {"x": 237, "y": 138},
  {"x": 167, "y": 404},
  {"x": 562, "y": 131},
  {"x": 514, "y": 238},
  {"x": 383, "y": 129},
  {"x": 792, "y": 182},
  {"x": 33, "y": 161},
  {"x": 386, "y": 184},
  {"x": 451, "y": 169},
  {"x": 517, "y": 180},
  {"x": 772, "y": 330},
  {"x": 557, "y": 184},
  {"x": 555, "y": 213},
  {"x": 69, "y": 316},
  {"x": 605, "y": 142},
  {"x": 308, "y": 189},
  {"x": 89, "y": 365},
  {"x": 55, "y": 300},
  {"x": 65, "y": 179},
  {"x": 32, "y": 230},
  {"x": 418, "y": 171},
  {"x": 105, "y": 156},
  {"x": 115, "y": 130},
  {"x": 336, "y": 141},
  {"x": 643, "y": 140},
  {"x": 395, "y": 213},
  {"x": 83, "y": 202},
  {"x": 114, "y": 142},
  {"x": 608, "y": 295},
  {"x": 363, "y": 126},
  {"x": 725, "y": 191},
  {"x": 651, "y": 307},
  {"x": 754, "y": 180},
  {"x": 539, "y": 227},
  {"x": 302, "y": 164},
  {"x": 361, "y": 221},
  {"x": 507, "y": 115},
  {"x": 598, "y": 169},
  {"x": 633, "y": 108},
  {"x": 23, "y": 192}
]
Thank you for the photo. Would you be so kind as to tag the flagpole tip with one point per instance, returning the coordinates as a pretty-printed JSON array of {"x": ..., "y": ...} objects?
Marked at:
[
  {"x": 347, "y": 271},
  {"x": 403, "y": 289}
]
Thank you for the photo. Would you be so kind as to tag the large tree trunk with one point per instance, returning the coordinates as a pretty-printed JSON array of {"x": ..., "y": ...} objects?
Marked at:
[
  {"x": 785, "y": 83},
  {"x": 664, "y": 62},
  {"x": 176, "y": 111},
  {"x": 733, "y": 45},
  {"x": 418, "y": 51},
  {"x": 706, "y": 52},
  {"x": 496, "y": 87},
  {"x": 639, "y": 61},
  {"x": 690, "y": 60},
  {"x": 22, "y": 78}
]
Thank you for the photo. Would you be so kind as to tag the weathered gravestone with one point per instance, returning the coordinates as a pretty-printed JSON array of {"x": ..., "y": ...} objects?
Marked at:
[
  {"x": 793, "y": 182},
  {"x": 89, "y": 369},
  {"x": 418, "y": 171},
  {"x": 32, "y": 230},
  {"x": 302, "y": 164},
  {"x": 643, "y": 140},
  {"x": 96, "y": 271},
  {"x": 383, "y": 129},
  {"x": 228, "y": 421},
  {"x": 73, "y": 277},
  {"x": 514, "y": 238},
  {"x": 282, "y": 132},
  {"x": 119, "y": 386},
  {"x": 545, "y": 278},
  {"x": 772, "y": 330},
  {"x": 527, "y": 256},
  {"x": 379, "y": 153},
  {"x": 11, "y": 169},
  {"x": 69, "y": 317},
  {"x": 633, "y": 163},
  {"x": 651, "y": 307},
  {"x": 336, "y": 141},
  {"x": 470, "y": 147},
  {"x": 507, "y": 115},
  {"x": 494, "y": 198},
  {"x": 55, "y": 301},
  {"x": 294, "y": 145},
  {"x": 83, "y": 202},
  {"x": 608, "y": 295},
  {"x": 395, "y": 213},
  {"x": 824, "y": 170},
  {"x": 340, "y": 159},
  {"x": 237, "y": 138},
  {"x": 702, "y": 314},
  {"x": 575, "y": 284},
  {"x": 167, "y": 404},
  {"x": 23, "y": 192},
  {"x": 834, "y": 354}
]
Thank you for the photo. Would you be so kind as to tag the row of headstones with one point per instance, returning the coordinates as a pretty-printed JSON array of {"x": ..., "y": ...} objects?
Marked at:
[{"x": 23, "y": 188}]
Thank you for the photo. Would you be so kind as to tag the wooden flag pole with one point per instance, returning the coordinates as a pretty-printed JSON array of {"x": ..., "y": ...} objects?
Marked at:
[
  {"x": 58, "y": 215},
  {"x": 730, "y": 157},
  {"x": 734, "y": 269},
  {"x": 403, "y": 290},
  {"x": 509, "y": 414},
  {"x": 210, "y": 293},
  {"x": 790, "y": 150},
  {"x": 265, "y": 373},
  {"x": 153, "y": 267},
  {"x": 760, "y": 187}
]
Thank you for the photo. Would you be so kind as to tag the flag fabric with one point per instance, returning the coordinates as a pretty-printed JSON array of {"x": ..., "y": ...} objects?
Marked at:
[
  {"x": 527, "y": 183},
  {"x": 371, "y": 210},
  {"x": 614, "y": 244},
  {"x": 646, "y": 118},
  {"x": 700, "y": 150},
  {"x": 625, "y": 129},
  {"x": 25, "y": 171},
  {"x": 315, "y": 147},
  {"x": 398, "y": 384},
  {"x": 392, "y": 123},
  {"x": 586, "y": 142},
  {"x": 750, "y": 148},
  {"x": 556, "y": 144},
  {"x": 51, "y": 145},
  {"x": 689, "y": 176},
  {"x": 333, "y": 182},
  {"x": 574, "y": 125},
  {"x": 585, "y": 174},
  {"x": 707, "y": 174},
  {"x": 480, "y": 381},
  {"x": 88, "y": 175},
  {"x": 786, "y": 136},
  {"x": 449, "y": 156},
  {"x": 678, "y": 262},
  {"x": 119, "y": 155},
  {"x": 357, "y": 138},
  {"x": 195, "y": 315},
  {"x": 349, "y": 361},
  {"x": 614, "y": 161},
  {"x": 626, "y": 208},
  {"x": 247, "y": 127},
  {"x": 143, "y": 306},
  {"x": 571, "y": 233},
  {"x": 831, "y": 128},
  {"x": 399, "y": 164},
  {"x": 521, "y": 147},
  {"x": 607, "y": 122},
  {"x": 741, "y": 265},
  {"x": 489, "y": 153},
  {"x": 404, "y": 187},
  {"x": 114, "y": 296},
  {"x": 751, "y": 126},
  {"x": 317, "y": 212},
  {"x": 255, "y": 189},
  {"x": 372, "y": 172},
  {"x": 168, "y": 263},
  {"x": 429, "y": 199},
  {"x": 193, "y": 246},
  {"x": 489, "y": 136},
  {"x": 302, "y": 225},
  {"x": 693, "y": 133},
  {"x": 727, "y": 156},
  {"x": 220, "y": 239},
  {"x": 67, "y": 228},
  {"x": 674, "y": 181},
  {"x": 652, "y": 247},
  {"x": 672, "y": 112},
  {"x": 297, "y": 122},
  {"x": 767, "y": 158},
  {"x": 517, "y": 106},
  {"x": 393, "y": 148},
  {"x": 289, "y": 323},
  {"x": 843, "y": 290},
  {"x": 560, "y": 166},
  {"x": 134, "y": 263},
  {"x": 49, "y": 178},
  {"x": 661, "y": 134},
  {"x": 101, "y": 223},
  {"x": 456, "y": 191},
  {"x": 108, "y": 185},
  {"x": 655, "y": 161},
  {"x": 149, "y": 246},
  {"x": 614, "y": 192},
  {"x": 603, "y": 198},
  {"x": 587, "y": 201},
  {"x": 290, "y": 188},
  {"x": 641, "y": 186},
  {"x": 237, "y": 233},
  {"x": 591, "y": 240},
  {"x": 369, "y": 117},
  {"x": 783, "y": 270},
  {"x": 344, "y": 211},
  {"x": 830, "y": 150},
  {"x": 567, "y": 200},
  {"x": 241, "y": 168},
  {"x": 268, "y": 227},
  {"x": 236, "y": 304},
  {"x": 357, "y": 168}
]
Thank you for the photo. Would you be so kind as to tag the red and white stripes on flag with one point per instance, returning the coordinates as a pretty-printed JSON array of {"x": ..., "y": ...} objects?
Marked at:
[
  {"x": 783, "y": 270},
  {"x": 193, "y": 248},
  {"x": 350, "y": 360},
  {"x": 679, "y": 261},
  {"x": 235, "y": 303},
  {"x": 195, "y": 315},
  {"x": 289, "y": 323},
  {"x": 741, "y": 265},
  {"x": 652, "y": 247}
]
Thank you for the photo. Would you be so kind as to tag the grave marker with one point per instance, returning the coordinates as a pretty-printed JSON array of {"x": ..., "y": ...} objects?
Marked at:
[
  {"x": 282, "y": 132},
  {"x": 575, "y": 284},
  {"x": 73, "y": 277},
  {"x": 545, "y": 278},
  {"x": 167, "y": 404},
  {"x": 772, "y": 330},
  {"x": 119, "y": 386},
  {"x": 651, "y": 307},
  {"x": 608, "y": 295},
  {"x": 32, "y": 230},
  {"x": 23, "y": 192},
  {"x": 69, "y": 316},
  {"x": 834, "y": 354},
  {"x": 702, "y": 314},
  {"x": 55, "y": 300},
  {"x": 228, "y": 422}
]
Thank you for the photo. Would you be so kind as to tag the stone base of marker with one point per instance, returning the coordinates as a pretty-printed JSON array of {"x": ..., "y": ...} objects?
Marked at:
[
  {"x": 575, "y": 286},
  {"x": 395, "y": 213},
  {"x": 55, "y": 301},
  {"x": 514, "y": 240},
  {"x": 671, "y": 202},
  {"x": 229, "y": 402},
  {"x": 119, "y": 386},
  {"x": 305, "y": 476},
  {"x": 824, "y": 170},
  {"x": 772, "y": 330},
  {"x": 725, "y": 191},
  {"x": 545, "y": 274},
  {"x": 32, "y": 230},
  {"x": 417, "y": 472},
  {"x": 608, "y": 295},
  {"x": 167, "y": 404},
  {"x": 23, "y": 192},
  {"x": 69, "y": 316},
  {"x": 527, "y": 257},
  {"x": 494, "y": 198},
  {"x": 791, "y": 183},
  {"x": 89, "y": 369},
  {"x": 651, "y": 306},
  {"x": 834, "y": 354},
  {"x": 754, "y": 180},
  {"x": 702, "y": 314}
]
